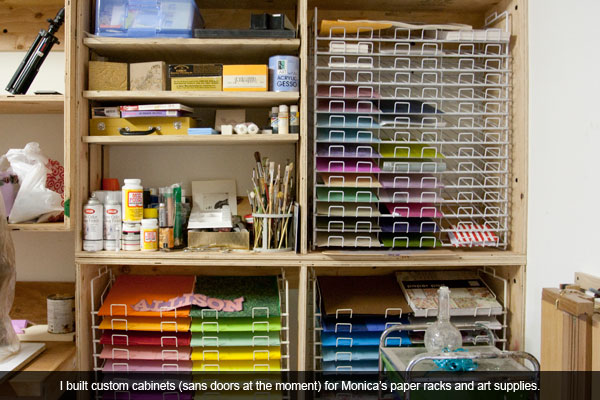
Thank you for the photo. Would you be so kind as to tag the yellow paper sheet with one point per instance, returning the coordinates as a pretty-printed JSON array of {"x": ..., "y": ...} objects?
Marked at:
[
  {"x": 237, "y": 366},
  {"x": 247, "y": 353}
]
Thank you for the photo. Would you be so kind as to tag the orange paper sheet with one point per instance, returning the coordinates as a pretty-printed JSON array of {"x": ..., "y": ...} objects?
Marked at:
[
  {"x": 152, "y": 324},
  {"x": 128, "y": 290}
]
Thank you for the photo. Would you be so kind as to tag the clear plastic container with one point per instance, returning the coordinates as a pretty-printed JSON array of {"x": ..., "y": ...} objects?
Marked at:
[{"x": 147, "y": 18}]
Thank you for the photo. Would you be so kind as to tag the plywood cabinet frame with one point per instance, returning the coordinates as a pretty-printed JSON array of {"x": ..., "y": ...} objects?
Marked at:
[
  {"x": 20, "y": 21},
  {"x": 91, "y": 160}
]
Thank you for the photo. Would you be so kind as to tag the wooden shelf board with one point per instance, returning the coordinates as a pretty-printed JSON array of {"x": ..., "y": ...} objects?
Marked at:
[
  {"x": 414, "y": 5},
  {"x": 191, "y": 50},
  {"x": 408, "y": 259},
  {"x": 42, "y": 227},
  {"x": 244, "y": 99},
  {"x": 191, "y": 140},
  {"x": 32, "y": 104}
]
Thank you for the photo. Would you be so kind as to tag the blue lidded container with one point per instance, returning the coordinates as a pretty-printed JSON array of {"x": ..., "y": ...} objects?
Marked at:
[{"x": 147, "y": 18}]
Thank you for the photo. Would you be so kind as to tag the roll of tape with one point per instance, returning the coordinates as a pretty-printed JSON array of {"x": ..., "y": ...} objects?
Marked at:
[{"x": 252, "y": 129}]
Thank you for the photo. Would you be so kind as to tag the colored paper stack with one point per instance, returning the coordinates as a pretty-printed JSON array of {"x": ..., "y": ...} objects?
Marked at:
[
  {"x": 247, "y": 339},
  {"x": 134, "y": 339},
  {"x": 354, "y": 313}
]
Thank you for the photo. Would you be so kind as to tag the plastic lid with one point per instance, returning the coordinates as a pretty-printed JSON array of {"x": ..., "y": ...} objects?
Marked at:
[
  {"x": 294, "y": 108},
  {"x": 153, "y": 191},
  {"x": 150, "y": 223},
  {"x": 283, "y": 108},
  {"x": 150, "y": 213},
  {"x": 132, "y": 181},
  {"x": 110, "y": 184},
  {"x": 274, "y": 110}
]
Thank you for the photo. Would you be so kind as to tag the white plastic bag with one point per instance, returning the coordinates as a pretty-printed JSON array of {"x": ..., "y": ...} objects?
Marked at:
[
  {"x": 34, "y": 199},
  {"x": 9, "y": 342}
]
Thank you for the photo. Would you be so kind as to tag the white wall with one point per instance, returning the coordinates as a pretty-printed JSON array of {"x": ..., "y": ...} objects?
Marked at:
[{"x": 564, "y": 142}]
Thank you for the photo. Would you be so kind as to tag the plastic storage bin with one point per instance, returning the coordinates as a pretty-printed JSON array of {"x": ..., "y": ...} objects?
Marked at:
[{"x": 147, "y": 18}]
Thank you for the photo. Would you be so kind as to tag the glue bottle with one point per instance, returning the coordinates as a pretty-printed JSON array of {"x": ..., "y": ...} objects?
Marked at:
[
  {"x": 133, "y": 201},
  {"x": 283, "y": 120}
]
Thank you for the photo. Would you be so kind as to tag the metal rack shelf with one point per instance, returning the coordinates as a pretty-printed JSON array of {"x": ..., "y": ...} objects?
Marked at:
[{"x": 402, "y": 105}]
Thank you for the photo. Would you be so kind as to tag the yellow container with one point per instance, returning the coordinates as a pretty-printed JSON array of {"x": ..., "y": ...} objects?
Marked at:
[
  {"x": 141, "y": 126},
  {"x": 245, "y": 78},
  {"x": 197, "y": 83}
]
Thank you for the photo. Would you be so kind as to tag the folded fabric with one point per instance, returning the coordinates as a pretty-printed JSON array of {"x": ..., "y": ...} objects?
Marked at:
[
  {"x": 344, "y": 353},
  {"x": 243, "y": 324},
  {"x": 128, "y": 290},
  {"x": 146, "y": 324},
  {"x": 227, "y": 339},
  {"x": 260, "y": 293},
  {"x": 142, "y": 338},
  {"x": 166, "y": 353},
  {"x": 346, "y": 339},
  {"x": 236, "y": 353},
  {"x": 226, "y": 366},
  {"x": 351, "y": 366},
  {"x": 146, "y": 366}
]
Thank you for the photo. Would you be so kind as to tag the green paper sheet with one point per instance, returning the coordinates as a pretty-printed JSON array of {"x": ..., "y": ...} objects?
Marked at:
[
  {"x": 260, "y": 293},
  {"x": 241, "y": 324},
  {"x": 346, "y": 195},
  {"x": 228, "y": 339},
  {"x": 409, "y": 150}
]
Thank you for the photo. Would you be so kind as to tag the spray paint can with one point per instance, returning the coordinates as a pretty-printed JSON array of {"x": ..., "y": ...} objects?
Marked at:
[
  {"x": 92, "y": 225},
  {"x": 112, "y": 222}
]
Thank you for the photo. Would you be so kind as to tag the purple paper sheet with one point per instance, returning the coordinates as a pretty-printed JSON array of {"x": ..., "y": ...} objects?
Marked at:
[{"x": 412, "y": 210}]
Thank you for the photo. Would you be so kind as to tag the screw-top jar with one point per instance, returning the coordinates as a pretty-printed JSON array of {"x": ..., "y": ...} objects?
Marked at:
[
  {"x": 149, "y": 235},
  {"x": 133, "y": 201}
]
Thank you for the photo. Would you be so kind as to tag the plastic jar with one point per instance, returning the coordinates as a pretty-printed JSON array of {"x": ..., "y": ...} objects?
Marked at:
[
  {"x": 133, "y": 200},
  {"x": 149, "y": 235}
]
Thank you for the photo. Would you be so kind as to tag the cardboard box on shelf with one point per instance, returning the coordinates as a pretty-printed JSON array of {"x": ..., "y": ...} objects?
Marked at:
[
  {"x": 148, "y": 76},
  {"x": 195, "y": 77},
  {"x": 103, "y": 75},
  {"x": 245, "y": 78}
]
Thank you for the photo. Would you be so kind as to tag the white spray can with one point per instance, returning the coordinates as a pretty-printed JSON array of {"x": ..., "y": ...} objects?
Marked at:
[
  {"x": 112, "y": 222},
  {"x": 92, "y": 225}
]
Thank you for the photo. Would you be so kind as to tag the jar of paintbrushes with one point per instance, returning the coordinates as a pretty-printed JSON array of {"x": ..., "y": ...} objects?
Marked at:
[{"x": 272, "y": 202}]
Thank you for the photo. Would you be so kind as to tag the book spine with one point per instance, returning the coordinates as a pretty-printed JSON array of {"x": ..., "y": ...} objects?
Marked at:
[
  {"x": 157, "y": 107},
  {"x": 134, "y": 114}
]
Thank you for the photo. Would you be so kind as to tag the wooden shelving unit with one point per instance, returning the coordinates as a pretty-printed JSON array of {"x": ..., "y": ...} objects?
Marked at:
[
  {"x": 190, "y": 50},
  {"x": 21, "y": 22},
  {"x": 254, "y": 99},
  {"x": 93, "y": 159},
  {"x": 42, "y": 227},
  {"x": 191, "y": 140},
  {"x": 32, "y": 104}
]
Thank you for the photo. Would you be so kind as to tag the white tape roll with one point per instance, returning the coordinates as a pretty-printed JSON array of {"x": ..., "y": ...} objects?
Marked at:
[
  {"x": 241, "y": 129},
  {"x": 252, "y": 129}
]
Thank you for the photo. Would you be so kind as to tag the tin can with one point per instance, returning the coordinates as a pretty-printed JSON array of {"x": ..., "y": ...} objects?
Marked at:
[{"x": 61, "y": 313}]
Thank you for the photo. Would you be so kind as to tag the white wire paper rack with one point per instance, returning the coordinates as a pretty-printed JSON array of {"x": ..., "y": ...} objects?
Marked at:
[
  {"x": 101, "y": 285},
  {"x": 411, "y": 137}
]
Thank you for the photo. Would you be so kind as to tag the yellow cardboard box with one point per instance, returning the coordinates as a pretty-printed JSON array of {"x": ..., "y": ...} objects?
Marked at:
[{"x": 245, "y": 78}]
